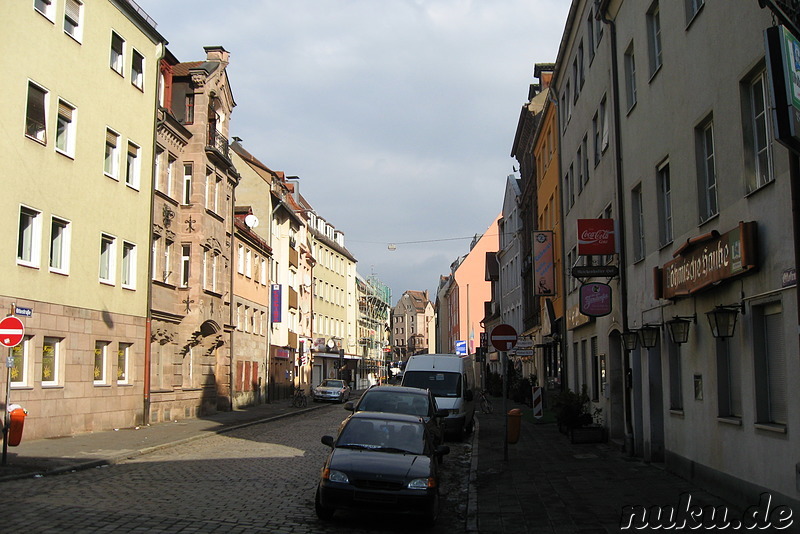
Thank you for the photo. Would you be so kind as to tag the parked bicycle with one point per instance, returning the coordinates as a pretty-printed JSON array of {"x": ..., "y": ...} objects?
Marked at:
[
  {"x": 486, "y": 404},
  {"x": 299, "y": 399}
]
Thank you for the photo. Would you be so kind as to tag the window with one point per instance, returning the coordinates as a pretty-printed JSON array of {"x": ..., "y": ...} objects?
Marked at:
[
  {"x": 603, "y": 125},
  {"x": 675, "y": 384},
  {"x": 100, "y": 361},
  {"x": 189, "y": 109},
  {"x": 128, "y": 265},
  {"x": 263, "y": 271},
  {"x": 581, "y": 76},
  {"x": 706, "y": 170},
  {"x": 590, "y": 32},
  {"x": 170, "y": 174},
  {"x": 123, "y": 358},
  {"x": 575, "y": 75},
  {"x": 59, "y": 245},
  {"x": 772, "y": 389},
  {"x": 117, "y": 52},
  {"x": 692, "y": 8},
  {"x": 51, "y": 361},
  {"x": 579, "y": 179},
  {"x": 630, "y": 77},
  {"x": 137, "y": 70},
  {"x": 186, "y": 198},
  {"x": 29, "y": 237},
  {"x": 111, "y": 163},
  {"x": 729, "y": 381},
  {"x": 19, "y": 368},
  {"x": 637, "y": 209},
  {"x": 45, "y": 7},
  {"x": 154, "y": 256},
  {"x": 209, "y": 188},
  {"x": 240, "y": 259},
  {"x": 107, "y": 258},
  {"x": 757, "y": 132},
  {"x": 209, "y": 271},
  {"x": 158, "y": 166},
  {"x": 167, "y": 261},
  {"x": 72, "y": 19},
  {"x": 186, "y": 261},
  {"x": 132, "y": 166},
  {"x": 654, "y": 38},
  {"x": 585, "y": 162},
  {"x": 65, "y": 129},
  {"x": 596, "y": 135},
  {"x": 248, "y": 263},
  {"x": 664, "y": 205},
  {"x": 570, "y": 187},
  {"x": 35, "y": 116}
]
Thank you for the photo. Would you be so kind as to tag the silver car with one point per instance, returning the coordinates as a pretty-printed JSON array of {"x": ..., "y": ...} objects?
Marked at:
[{"x": 332, "y": 390}]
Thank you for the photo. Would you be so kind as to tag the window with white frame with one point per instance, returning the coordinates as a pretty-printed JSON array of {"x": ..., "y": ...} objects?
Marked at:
[
  {"x": 65, "y": 128},
  {"x": 60, "y": 238},
  {"x": 210, "y": 260},
  {"x": 167, "y": 271},
  {"x": 210, "y": 182},
  {"x": 51, "y": 361},
  {"x": 771, "y": 385},
  {"x": 217, "y": 193},
  {"x": 154, "y": 257},
  {"x": 171, "y": 163},
  {"x": 107, "y": 258},
  {"x": 132, "y": 166},
  {"x": 19, "y": 375},
  {"x": 123, "y": 362},
  {"x": 264, "y": 278},
  {"x": 248, "y": 263},
  {"x": 186, "y": 262},
  {"x": 186, "y": 197},
  {"x": 35, "y": 114},
  {"x": 757, "y": 130},
  {"x": 137, "y": 70},
  {"x": 637, "y": 209},
  {"x": 73, "y": 19},
  {"x": 630, "y": 77},
  {"x": 692, "y": 9},
  {"x": 29, "y": 236},
  {"x": 240, "y": 259},
  {"x": 117, "y": 53},
  {"x": 664, "y": 204},
  {"x": 46, "y": 8},
  {"x": 111, "y": 161},
  {"x": 101, "y": 362},
  {"x": 128, "y": 265},
  {"x": 158, "y": 168},
  {"x": 654, "y": 37},
  {"x": 706, "y": 170},
  {"x": 603, "y": 124}
]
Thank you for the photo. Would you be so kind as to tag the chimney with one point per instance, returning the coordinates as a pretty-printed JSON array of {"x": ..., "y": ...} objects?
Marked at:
[
  {"x": 295, "y": 181},
  {"x": 217, "y": 53}
]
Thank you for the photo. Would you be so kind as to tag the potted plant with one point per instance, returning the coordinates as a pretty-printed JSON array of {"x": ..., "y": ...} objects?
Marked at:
[{"x": 575, "y": 418}]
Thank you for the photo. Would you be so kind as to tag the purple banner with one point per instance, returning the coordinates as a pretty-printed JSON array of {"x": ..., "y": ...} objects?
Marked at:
[{"x": 595, "y": 299}]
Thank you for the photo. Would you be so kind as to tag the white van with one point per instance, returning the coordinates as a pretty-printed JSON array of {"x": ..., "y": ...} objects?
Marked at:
[{"x": 451, "y": 379}]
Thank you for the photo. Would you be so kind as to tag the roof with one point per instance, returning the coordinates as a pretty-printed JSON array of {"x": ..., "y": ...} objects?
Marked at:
[{"x": 183, "y": 69}]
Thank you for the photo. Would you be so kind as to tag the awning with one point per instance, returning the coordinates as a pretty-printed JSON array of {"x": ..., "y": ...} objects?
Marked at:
[{"x": 335, "y": 355}]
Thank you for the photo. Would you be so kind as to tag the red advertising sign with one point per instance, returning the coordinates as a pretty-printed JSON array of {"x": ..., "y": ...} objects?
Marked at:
[
  {"x": 276, "y": 303},
  {"x": 596, "y": 237},
  {"x": 595, "y": 299}
]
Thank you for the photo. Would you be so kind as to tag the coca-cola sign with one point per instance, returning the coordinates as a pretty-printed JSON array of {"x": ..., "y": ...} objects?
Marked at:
[
  {"x": 595, "y": 299},
  {"x": 596, "y": 237}
]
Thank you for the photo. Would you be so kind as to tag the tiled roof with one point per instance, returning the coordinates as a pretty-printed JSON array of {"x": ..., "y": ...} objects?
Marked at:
[{"x": 182, "y": 69}]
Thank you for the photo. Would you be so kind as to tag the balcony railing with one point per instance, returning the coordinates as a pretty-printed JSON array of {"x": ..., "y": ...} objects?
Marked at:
[{"x": 219, "y": 142}]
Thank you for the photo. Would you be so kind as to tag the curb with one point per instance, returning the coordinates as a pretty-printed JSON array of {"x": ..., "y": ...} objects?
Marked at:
[{"x": 472, "y": 497}]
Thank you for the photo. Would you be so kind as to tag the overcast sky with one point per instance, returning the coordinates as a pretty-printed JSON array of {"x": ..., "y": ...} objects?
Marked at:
[{"x": 397, "y": 115}]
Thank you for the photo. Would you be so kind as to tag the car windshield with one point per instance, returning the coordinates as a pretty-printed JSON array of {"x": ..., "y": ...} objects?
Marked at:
[
  {"x": 440, "y": 383},
  {"x": 378, "y": 434},
  {"x": 332, "y": 384},
  {"x": 395, "y": 402}
]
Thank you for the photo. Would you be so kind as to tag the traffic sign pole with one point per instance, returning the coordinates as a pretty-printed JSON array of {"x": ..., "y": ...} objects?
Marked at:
[
  {"x": 12, "y": 332},
  {"x": 6, "y": 418}
]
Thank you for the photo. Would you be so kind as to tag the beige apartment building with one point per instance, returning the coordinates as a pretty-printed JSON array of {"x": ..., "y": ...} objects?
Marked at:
[
  {"x": 77, "y": 156},
  {"x": 413, "y": 324},
  {"x": 192, "y": 264}
]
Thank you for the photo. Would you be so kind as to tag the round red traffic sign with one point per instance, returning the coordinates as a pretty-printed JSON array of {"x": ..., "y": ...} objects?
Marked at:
[
  {"x": 503, "y": 337},
  {"x": 11, "y": 331}
]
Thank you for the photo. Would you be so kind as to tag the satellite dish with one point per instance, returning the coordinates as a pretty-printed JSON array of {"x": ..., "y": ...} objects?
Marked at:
[{"x": 251, "y": 221}]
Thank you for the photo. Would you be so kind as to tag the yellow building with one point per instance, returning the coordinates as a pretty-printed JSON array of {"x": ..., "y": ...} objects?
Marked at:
[{"x": 77, "y": 156}]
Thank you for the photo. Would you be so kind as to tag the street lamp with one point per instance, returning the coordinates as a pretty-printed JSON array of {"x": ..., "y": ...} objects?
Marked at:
[
  {"x": 722, "y": 320},
  {"x": 678, "y": 328},
  {"x": 630, "y": 340},
  {"x": 648, "y": 335}
]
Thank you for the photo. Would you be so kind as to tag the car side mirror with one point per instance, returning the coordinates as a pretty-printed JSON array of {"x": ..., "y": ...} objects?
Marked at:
[
  {"x": 441, "y": 450},
  {"x": 349, "y": 406},
  {"x": 327, "y": 440},
  {"x": 469, "y": 396}
]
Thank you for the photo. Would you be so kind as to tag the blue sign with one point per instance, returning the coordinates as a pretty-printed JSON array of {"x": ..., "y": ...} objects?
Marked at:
[
  {"x": 461, "y": 348},
  {"x": 23, "y": 312}
]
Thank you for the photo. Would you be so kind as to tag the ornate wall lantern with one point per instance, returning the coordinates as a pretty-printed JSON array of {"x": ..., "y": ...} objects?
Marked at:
[
  {"x": 630, "y": 339},
  {"x": 648, "y": 335},
  {"x": 722, "y": 320},
  {"x": 678, "y": 328}
]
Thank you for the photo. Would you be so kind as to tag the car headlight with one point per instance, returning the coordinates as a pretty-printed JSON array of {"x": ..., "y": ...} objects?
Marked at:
[
  {"x": 422, "y": 483},
  {"x": 332, "y": 475}
]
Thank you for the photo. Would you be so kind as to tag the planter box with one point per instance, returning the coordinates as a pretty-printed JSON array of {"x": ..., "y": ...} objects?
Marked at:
[{"x": 587, "y": 434}]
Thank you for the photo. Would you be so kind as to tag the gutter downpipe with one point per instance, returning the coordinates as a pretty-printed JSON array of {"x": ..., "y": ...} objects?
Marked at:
[
  {"x": 563, "y": 341},
  {"x": 148, "y": 323},
  {"x": 623, "y": 282}
]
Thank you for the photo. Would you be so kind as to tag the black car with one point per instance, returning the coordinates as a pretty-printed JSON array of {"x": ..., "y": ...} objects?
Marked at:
[
  {"x": 381, "y": 462},
  {"x": 405, "y": 400}
]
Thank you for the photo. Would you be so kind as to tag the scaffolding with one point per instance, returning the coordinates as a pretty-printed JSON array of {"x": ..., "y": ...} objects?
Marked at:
[{"x": 374, "y": 305}]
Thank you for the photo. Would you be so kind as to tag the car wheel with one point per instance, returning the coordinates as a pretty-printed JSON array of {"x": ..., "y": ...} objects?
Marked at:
[{"x": 326, "y": 514}]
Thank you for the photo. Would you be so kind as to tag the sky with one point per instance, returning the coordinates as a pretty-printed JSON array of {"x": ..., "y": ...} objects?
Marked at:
[{"x": 397, "y": 115}]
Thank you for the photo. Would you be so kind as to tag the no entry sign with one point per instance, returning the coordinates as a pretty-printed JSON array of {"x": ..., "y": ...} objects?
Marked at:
[
  {"x": 11, "y": 331},
  {"x": 503, "y": 337}
]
